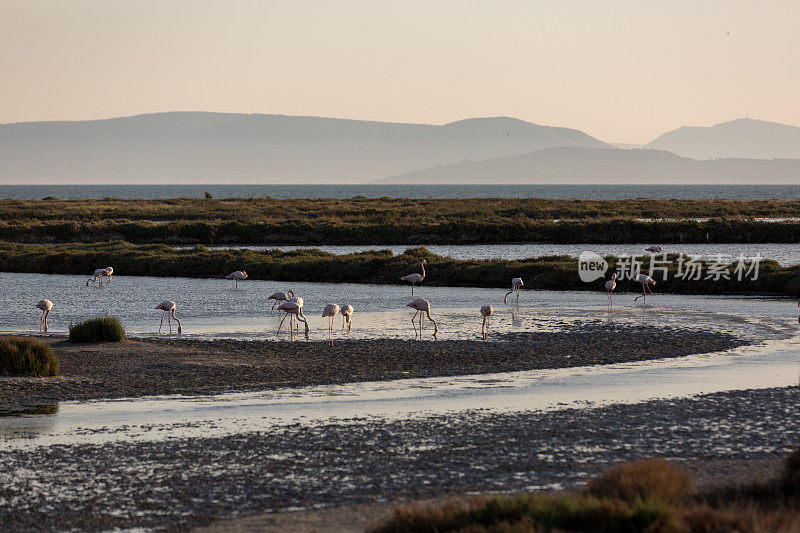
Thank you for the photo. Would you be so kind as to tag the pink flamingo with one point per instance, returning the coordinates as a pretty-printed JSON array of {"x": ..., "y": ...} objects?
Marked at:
[
  {"x": 237, "y": 276},
  {"x": 295, "y": 309},
  {"x": 330, "y": 311},
  {"x": 280, "y": 297},
  {"x": 653, "y": 249},
  {"x": 415, "y": 278},
  {"x": 422, "y": 306},
  {"x": 168, "y": 306},
  {"x": 645, "y": 280},
  {"x": 486, "y": 311},
  {"x": 98, "y": 274},
  {"x": 610, "y": 286},
  {"x": 46, "y": 306},
  {"x": 347, "y": 314},
  {"x": 516, "y": 283}
]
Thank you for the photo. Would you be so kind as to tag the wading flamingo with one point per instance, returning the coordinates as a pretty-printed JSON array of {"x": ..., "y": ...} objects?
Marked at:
[
  {"x": 422, "y": 306},
  {"x": 168, "y": 306},
  {"x": 237, "y": 276},
  {"x": 295, "y": 309},
  {"x": 610, "y": 286},
  {"x": 98, "y": 274},
  {"x": 280, "y": 297},
  {"x": 46, "y": 306},
  {"x": 645, "y": 280},
  {"x": 653, "y": 249},
  {"x": 415, "y": 278},
  {"x": 110, "y": 273},
  {"x": 516, "y": 283},
  {"x": 330, "y": 311},
  {"x": 347, "y": 314},
  {"x": 486, "y": 311}
]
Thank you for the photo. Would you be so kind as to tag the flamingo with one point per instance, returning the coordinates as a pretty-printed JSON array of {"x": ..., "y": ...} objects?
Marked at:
[
  {"x": 168, "y": 306},
  {"x": 46, "y": 306},
  {"x": 99, "y": 273},
  {"x": 486, "y": 311},
  {"x": 295, "y": 309},
  {"x": 347, "y": 314},
  {"x": 330, "y": 311},
  {"x": 110, "y": 273},
  {"x": 653, "y": 249},
  {"x": 280, "y": 297},
  {"x": 516, "y": 283},
  {"x": 415, "y": 278},
  {"x": 237, "y": 276},
  {"x": 645, "y": 280},
  {"x": 422, "y": 306},
  {"x": 610, "y": 286}
]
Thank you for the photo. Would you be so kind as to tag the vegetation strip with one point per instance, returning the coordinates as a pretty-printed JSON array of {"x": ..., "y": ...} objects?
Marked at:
[
  {"x": 398, "y": 221},
  {"x": 381, "y": 266}
]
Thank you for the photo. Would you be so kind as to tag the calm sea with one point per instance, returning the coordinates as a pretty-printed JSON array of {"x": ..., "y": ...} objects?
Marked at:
[{"x": 738, "y": 192}]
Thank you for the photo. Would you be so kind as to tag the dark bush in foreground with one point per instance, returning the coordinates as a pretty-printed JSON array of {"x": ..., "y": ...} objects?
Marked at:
[
  {"x": 26, "y": 357},
  {"x": 644, "y": 496},
  {"x": 106, "y": 328}
]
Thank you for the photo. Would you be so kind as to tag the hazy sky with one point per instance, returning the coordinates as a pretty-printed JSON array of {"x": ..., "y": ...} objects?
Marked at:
[{"x": 621, "y": 71}]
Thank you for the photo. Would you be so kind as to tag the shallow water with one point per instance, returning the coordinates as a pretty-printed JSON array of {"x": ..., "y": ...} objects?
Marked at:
[
  {"x": 774, "y": 363},
  {"x": 211, "y": 308},
  {"x": 785, "y": 254}
]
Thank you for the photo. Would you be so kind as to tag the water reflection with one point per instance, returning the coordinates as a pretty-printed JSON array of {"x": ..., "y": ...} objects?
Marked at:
[{"x": 29, "y": 422}]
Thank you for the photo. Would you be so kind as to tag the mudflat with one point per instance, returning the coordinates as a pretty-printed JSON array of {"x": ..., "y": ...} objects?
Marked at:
[{"x": 146, "y": 367}]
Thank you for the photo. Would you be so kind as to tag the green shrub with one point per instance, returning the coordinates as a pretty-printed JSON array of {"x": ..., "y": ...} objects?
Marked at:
[
  {"x": 105, "y": 328},
  {"x": 26, "y": 357}
]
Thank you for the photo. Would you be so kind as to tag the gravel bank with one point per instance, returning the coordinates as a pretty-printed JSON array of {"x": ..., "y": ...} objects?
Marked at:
[
  {"x": 136, "y": 368},
  {"x": 180, "y": 483}
]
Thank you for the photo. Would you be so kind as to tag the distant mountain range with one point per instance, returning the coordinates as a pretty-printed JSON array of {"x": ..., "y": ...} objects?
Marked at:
[
  {"x": 605, "y": 165},
  {"x": 742, "y": 138},
  {"x": 194, "y": 147},
  {"x": 199, "y": 147}
]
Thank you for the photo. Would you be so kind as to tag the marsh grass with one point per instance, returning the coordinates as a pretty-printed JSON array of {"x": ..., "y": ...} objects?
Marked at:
[
  {"x": 21, "y": 356},
  {"x": 397, "y": 221},
  {"x": 376, "y": 266},
  {"x": 644, "y": 496},
  {"x": 105, "y": 328}
]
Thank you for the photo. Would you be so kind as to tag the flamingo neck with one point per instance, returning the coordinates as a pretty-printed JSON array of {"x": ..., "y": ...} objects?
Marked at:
[{"x": 423, "y": 270}]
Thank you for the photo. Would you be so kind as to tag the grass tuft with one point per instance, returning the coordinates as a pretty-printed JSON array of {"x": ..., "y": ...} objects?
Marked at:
[
  {"x": 642, "y": 480},
  {"x": 26, "y": 357},
  {"x": 105, "y": 328}
]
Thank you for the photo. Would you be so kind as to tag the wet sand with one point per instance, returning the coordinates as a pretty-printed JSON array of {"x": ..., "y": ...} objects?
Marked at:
[
  {"x": 142, "y": 367},
  {"x": 187, "y": 482}
]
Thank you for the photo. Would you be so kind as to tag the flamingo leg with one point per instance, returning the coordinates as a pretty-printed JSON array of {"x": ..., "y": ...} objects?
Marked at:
[
  {"x": 517, "y": 294},
  {"x": 281, "y": 324},
  {"x": 414, "y": 323},
  {"x": 273, "y": 307},
  {"x": 162, "y": 321},
  {"x": 46, "y": 315},
  {"x": 169, "y": 321}
]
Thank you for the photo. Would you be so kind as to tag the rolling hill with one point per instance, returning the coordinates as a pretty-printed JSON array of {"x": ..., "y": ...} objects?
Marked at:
[
  {"x": 740, "y": 138},
  {"x": 605, "y": 165},
  {"x": 199, "y": 147}
]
